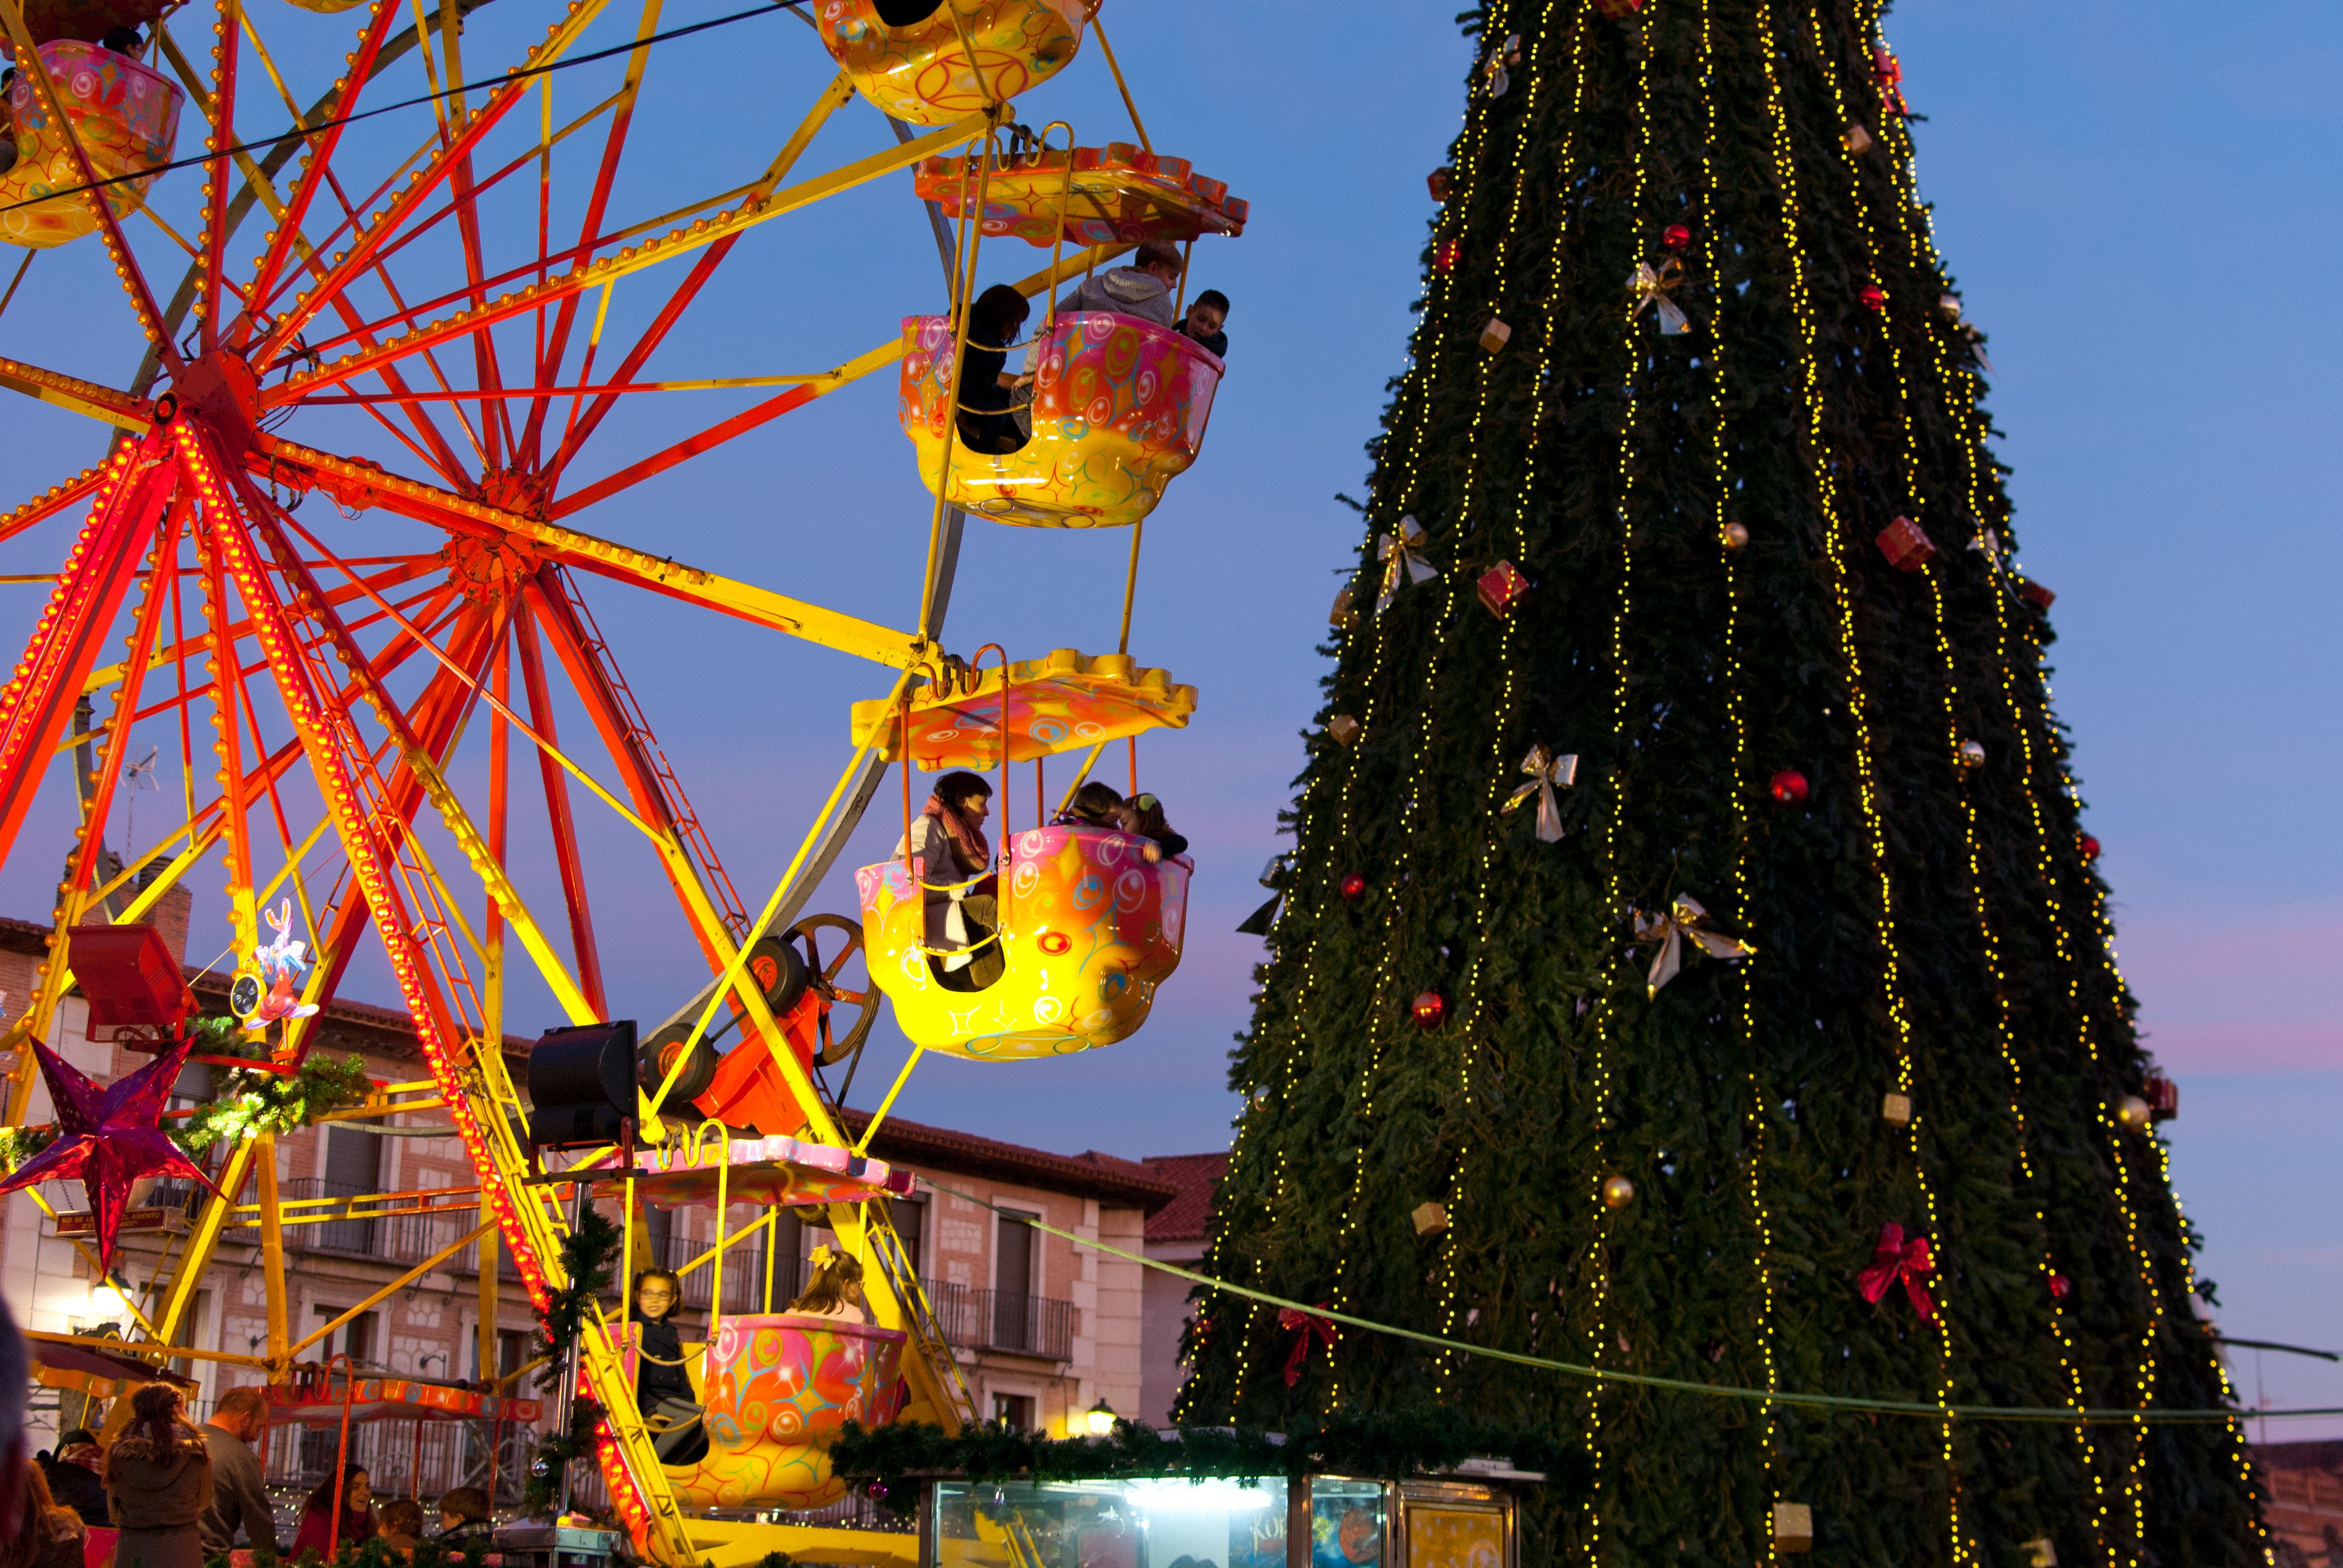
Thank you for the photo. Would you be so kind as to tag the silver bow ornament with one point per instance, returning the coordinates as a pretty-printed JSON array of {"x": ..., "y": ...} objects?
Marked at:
[
  {"x": 1684, "y": 918},
  {"x": 1651, "y": 285},
  {"x": 1403, "y": 562},
  {"x": 1546, "y": 770}
]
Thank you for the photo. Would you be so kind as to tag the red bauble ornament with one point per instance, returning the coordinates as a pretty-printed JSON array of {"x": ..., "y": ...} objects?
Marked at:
[
  {"x": 1789, "y": 787},
  {"x": 1444, "y": 255},
  {"x": 1874, "y": 297},
  {"x": 1353, "y": 887},
  {"x": 2090, "y": 849},
  {"x": 1428, "y": 1010},
  {"x": 1675, "y": 236},
  {"x": 2061, "y": 1287}
]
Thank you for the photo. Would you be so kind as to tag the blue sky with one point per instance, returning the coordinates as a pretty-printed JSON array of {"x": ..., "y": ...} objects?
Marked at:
[{"x": 2136, "y": 201}]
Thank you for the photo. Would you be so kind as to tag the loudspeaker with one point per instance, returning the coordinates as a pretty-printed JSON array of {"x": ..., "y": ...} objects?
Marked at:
[{"x": 581, "y": 1084}]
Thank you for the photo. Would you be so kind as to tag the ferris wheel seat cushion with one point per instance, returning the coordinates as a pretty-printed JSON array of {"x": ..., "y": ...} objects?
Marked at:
[
  {"x": 1062, "y": 701},
  {"x": 1090, "y": 928},
  {"x": 128, "y": 119},
  {"x": 1120, "y": 406},
  {"x": 1119, "y": 194},
  {"x": 776, "y": 1387},
  {"x": 919, "y": 72}
]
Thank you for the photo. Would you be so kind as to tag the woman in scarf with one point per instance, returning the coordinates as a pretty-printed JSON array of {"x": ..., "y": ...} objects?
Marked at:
[{"x": 963, "y": 897}]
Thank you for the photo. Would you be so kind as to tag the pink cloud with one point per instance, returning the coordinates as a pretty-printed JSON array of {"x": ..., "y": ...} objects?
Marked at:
[{"x": 2246, "y": 1047}]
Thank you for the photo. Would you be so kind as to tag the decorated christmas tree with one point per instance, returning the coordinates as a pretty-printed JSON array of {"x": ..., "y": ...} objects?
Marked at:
[{"x": 1691, "y": 964}]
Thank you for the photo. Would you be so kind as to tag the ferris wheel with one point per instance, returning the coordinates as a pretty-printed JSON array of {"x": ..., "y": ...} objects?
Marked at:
[{"x": 419, "y": 335}]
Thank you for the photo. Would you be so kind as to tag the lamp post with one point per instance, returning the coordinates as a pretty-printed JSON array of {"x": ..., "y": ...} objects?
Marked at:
[{"x": 1101, "y": 1418}]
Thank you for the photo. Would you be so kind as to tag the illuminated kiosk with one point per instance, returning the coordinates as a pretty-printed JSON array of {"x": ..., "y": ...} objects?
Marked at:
[{"x": 1468, "y": 1519}]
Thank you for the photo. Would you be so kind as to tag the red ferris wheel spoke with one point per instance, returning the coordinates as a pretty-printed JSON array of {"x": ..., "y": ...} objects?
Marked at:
[
  {"x": 402, "y": 205},
  {"x": 626, "y": 731},
  {"x": 211, "y": 264},
  {"x": 286, "y": 235},
  {"x": 558, "y": 812},
  {"x": 589, "y": 225},
  {"x": 582, "y": 425},
  {"x": 634, "y": 258},
  {"x": 36, "y": 704},
  {"x": 41, "y": 508},
  {"x": 98, "y": 803}
]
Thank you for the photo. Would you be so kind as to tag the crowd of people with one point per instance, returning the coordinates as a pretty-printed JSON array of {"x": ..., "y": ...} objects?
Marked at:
[
  {"x": 174, "y": 1495},
  {"x": 995, "y": 411}
]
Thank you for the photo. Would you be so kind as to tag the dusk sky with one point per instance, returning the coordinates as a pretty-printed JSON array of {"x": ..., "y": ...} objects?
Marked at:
[{"x": 2134, "y": 199}]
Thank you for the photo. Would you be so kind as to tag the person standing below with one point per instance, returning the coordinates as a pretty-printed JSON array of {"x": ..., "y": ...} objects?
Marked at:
[
  {"x": 158, "y": 1479},
  {"x": 34, "y": 1531},
  {"x": 318, "y": 1532},
  {"x": 72, "y": 1478},
  {"x": 402, "y": 1525},
  {"x": 46, "y": 1536},
  {"x": 463, "y": 1516},
  {"x": 240, "y": 1499},
  {"x": 1203, "y": 325}
]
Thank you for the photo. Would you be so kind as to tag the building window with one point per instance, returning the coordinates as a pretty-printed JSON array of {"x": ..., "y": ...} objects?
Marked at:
[
  {"x": 1014, "y": 1411},
  {"x": 353, "y": 1339},
  {"x": 1016, "y": 1316}
]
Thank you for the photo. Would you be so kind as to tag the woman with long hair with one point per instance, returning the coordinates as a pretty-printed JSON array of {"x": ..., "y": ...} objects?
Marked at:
[
  {"x": 46, "y": 1536},
  {"x": 963, "y": 896},
  {"x": 355, "y": 1490},
  {"x": 158, "y": 1479},
  {"x": 986, "y": 383},
  {"x": 837, "y": 1287}
]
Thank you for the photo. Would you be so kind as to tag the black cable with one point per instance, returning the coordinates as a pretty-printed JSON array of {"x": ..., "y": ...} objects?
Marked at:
[{"x": 773, "y": 8}]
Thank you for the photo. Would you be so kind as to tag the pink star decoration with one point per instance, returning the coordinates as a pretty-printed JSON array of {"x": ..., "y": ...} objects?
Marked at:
[{"x": 108, "y": 1137}]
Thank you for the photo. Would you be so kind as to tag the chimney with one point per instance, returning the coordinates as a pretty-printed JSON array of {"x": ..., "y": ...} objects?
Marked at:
[{"x": 169, "y": 916}]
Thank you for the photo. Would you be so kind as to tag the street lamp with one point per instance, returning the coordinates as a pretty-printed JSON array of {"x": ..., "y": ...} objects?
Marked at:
[
  {"x": 107, "y": 1299},
  {"x": 1102, "y": 1419}
]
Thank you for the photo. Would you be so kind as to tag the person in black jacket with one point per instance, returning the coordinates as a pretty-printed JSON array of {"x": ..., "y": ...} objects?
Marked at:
[
  {"x": 72, "y": 1478},
  {"x": 662, "y": 1382},
  {"x": 1203, "y": 323}
]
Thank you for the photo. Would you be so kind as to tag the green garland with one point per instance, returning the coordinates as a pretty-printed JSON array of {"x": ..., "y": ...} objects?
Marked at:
[
  {"x": 1388, "y": 1445},
  {"x": 587, "y": 1254},
  {"x": 555, "y": 1451},
  {"x": 249, "y": 1102},
  {"x": 19, "y": 1144},
  {"x": 376, "y": 1552}
]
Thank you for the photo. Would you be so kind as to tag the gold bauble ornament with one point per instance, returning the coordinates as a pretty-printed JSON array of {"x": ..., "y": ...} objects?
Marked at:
[
  {"x": 1618, "y": 1193},
  {"x": 2132, "y": 1113},
  {"x": 1971, "y": 754}
]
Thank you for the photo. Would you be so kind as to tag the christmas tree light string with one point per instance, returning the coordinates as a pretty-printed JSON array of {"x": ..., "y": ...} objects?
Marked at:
[
  {"x": 1503, "y": 742},
  {"x": 1853, "y": 1404},
  {"x": 1615, "y": 892},
  {"x": 1933, "y": 573},
  {"x": 1963, "y": 397},
  {"x": 1422, "y": 378},
  {"x": 1868, "y": 785},
  {"x": 1736, "y": 707}
]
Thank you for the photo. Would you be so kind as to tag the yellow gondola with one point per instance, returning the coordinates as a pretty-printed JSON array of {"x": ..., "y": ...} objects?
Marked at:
[
  {"x": 910, "y": 58},
  {"x": 1120, "y": 405},
  {"x": 1092, "y": 919},
  {"x": 128, "y": 119}
]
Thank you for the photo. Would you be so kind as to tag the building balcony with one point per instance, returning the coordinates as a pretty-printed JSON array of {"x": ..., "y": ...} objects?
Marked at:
[{"x": 1008, "y": 1321}]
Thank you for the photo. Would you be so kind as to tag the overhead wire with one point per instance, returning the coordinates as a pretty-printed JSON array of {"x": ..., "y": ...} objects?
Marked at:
[
  {"x": 1855, "y": 1405},
  {"x": 453, "y": 90}
]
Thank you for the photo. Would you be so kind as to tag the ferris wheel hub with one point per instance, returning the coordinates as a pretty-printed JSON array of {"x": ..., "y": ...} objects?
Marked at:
[{"x": 221, "y": 390}]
